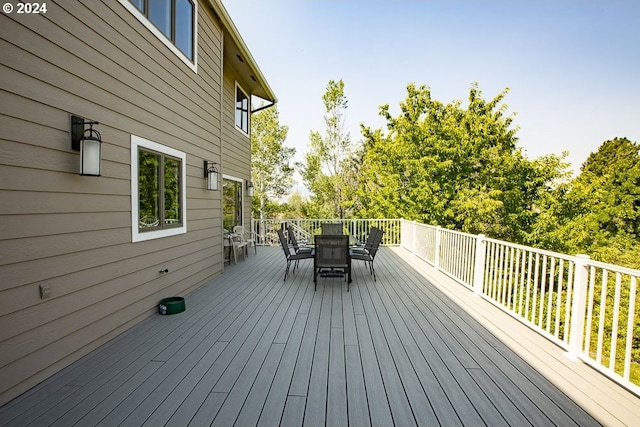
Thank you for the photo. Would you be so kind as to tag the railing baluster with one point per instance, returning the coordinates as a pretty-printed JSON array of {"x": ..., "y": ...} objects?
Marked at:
[
  {"x": 528, "y": 294},
  {"x": 589, "y": 319},
  {"x": 520, "y": 294},
  {"x": 603, "y": 306},
  {"x": 575, "y": 334},
  {"x": 550, "y": 292},
  {"x": 568, "y": 305},
  {"x": 614, "y": 326},
  {"x": 630, "y": 328}
]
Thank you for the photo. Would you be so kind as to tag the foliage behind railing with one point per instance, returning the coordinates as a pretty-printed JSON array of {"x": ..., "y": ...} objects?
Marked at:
[
  {"x": 266, "y": 229},
  {"x": 589, "y": 308}
]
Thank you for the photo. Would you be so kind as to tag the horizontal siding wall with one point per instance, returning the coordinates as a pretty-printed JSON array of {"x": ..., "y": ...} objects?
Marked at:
[
  {"x": 73, "y": 233},
  {"x": 236, "y": 146}
]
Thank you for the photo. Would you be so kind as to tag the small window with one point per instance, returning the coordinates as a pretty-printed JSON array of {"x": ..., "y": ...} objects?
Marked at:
[
  {"x": 173, "y": 18},
  {"x": 242, "y": 110},
  {"x": 158, "y": 190}
]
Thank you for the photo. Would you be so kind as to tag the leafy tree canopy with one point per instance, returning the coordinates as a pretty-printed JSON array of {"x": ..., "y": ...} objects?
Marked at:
[
  {"x": 598, "y": 213},
  {"x": 327, "y": 171},
  {"x": 453, "y": 166},
  {"x": 271, "y": 171}
]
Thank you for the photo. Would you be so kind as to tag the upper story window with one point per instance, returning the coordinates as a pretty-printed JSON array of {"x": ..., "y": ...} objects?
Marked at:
[
  {"x": 173, "y": 22},
  {"x": 242, "y": 110}
]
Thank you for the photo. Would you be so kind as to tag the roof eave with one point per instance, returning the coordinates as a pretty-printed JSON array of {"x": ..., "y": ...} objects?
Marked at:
[{"x": 227, "y": 23}]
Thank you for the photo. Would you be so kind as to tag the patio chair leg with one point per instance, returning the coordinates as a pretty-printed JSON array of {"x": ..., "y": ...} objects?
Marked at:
[{"x": 286, "y": 272}]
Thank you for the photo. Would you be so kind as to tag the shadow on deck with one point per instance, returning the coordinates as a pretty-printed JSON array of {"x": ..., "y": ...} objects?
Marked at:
[{"x": 412, "y": 348}]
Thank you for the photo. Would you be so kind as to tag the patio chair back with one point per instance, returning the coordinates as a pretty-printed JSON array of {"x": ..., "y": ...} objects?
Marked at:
[
  {"x": 293, "y": 239},
  {"x": 332, "y": 229},
  {"x": 371, "y": 237},
  {"x": 369, "y": 253},
  {"x": 283, "y": 243},
  {"x": 332, "y": 251},
  {"x": 291, "y": 257},
  {"x": 375, "y": 244},
  {"x": 246, "y": 238}
]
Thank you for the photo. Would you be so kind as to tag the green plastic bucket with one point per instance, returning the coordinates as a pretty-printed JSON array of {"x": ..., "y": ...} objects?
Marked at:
[{"x": 171, "y": 305}]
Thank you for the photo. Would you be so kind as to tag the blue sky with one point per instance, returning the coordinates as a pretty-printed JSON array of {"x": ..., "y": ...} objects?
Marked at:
[{"x": 573, "y": 67}]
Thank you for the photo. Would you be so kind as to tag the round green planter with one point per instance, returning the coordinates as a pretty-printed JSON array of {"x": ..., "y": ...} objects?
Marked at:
[{"x": 171, "y": 305}]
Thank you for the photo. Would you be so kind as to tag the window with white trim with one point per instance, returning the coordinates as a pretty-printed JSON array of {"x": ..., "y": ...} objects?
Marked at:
[
  {"x": 158, "y": 190},
  {"x": 231, "y": 202},
  {"x": 172, "y": 21},
  {"x": 242, "y": 110}
]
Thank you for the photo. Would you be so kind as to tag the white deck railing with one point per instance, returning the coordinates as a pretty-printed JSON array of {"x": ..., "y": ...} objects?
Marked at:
[
  {"x": 266, "y": 229},
  {"x": 589, "y": 308}
]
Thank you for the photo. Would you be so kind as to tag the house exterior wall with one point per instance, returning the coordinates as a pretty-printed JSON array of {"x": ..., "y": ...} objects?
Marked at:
[
  {"x": 236, "y": 146},
  {"x": 74, "y": 233}
]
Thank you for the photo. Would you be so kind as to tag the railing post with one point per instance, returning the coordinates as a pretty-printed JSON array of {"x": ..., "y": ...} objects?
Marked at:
[
  {"x": 414, "y": 234},
  {"x": 478, "y": 271},
  {"x": 578, "y": 305},
  {"x": 436, "y": 255}
]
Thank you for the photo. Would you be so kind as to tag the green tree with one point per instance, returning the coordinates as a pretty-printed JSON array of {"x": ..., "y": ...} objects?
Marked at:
[
  {"x": 328, "y": 163},
  {"x": 598, "y": 213},
  {"x": 271, "y": 171},
  {"x": 452, "y": 166},
  {"x": 295, "y": 207}
]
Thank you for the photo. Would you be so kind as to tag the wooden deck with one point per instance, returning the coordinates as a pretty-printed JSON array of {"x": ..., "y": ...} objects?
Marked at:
[{"x": 413, "y": 348}]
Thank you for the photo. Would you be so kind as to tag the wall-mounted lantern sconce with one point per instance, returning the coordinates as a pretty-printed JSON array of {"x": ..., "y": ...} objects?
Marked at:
[
  {"x": 211, "y": 173},
  {"x": 89, "y": 142},
  {"x": 249, "y": 188}
]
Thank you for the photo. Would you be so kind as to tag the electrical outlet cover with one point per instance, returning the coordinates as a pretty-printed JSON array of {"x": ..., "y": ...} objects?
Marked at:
[{"x": 45, "y": 291}]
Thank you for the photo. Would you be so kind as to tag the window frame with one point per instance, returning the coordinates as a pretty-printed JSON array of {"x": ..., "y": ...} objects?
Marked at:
[
  {"x": 192, "y": 63},
  {"x": 239, "y": 181},
  {"x": 247, "y": 111},
  {"x": 138, "y": 143}
]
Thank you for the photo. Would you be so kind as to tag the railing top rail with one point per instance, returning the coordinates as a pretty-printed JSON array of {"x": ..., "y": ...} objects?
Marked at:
[
  {"x": 613, "y": 267},
  {"x": 442, "y": 229},
  {"x": 327, "y": 219},
  {"x": 531, "y": 249},
  {"x": 459, "y": 233}
]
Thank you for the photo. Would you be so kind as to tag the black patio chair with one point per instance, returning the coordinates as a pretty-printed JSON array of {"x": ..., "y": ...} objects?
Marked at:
[
  {"x": 294, "y": 241},
  {"x": 291, "y": 257},
  {"x": 369, "y": 253},
  {"x": 332, "y": 253},
  {"x": 331, "y": 229},
  {"x": 368, "y": 244}
]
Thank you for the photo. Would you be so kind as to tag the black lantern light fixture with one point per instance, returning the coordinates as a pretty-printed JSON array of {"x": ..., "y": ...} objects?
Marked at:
[
  {"x": 89, "y": 143},
  {"x": 211, "y": 173},
  {"x": 250, "y": 188}
]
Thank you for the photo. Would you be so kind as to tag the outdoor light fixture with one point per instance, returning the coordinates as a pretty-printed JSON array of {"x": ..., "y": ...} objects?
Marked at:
[
  {"x": 89, "y": 142},
  {"x": 250, "y": 188},
  {"x": 211, "y": 173}
]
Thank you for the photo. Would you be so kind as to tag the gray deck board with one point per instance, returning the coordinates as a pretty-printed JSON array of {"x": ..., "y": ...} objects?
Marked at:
[{"x": 409, "y": 349}]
